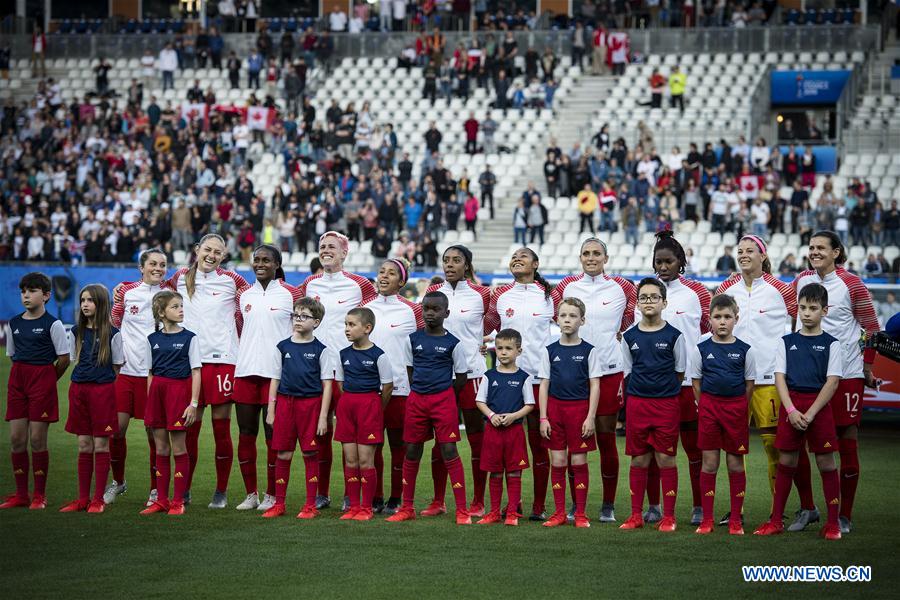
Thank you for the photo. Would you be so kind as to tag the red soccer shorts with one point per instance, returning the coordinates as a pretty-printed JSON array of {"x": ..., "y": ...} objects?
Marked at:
[
  {"x": 131, "y": 395},
  {"x": 394, "y": 412},
  {"x": 651, "y": 424},
  {"x": 566, "y": 419},
  {"x": 503, "y": 449},
  {"x": 32, "y": 393},
  {"x": 92, "y": 409},
  {"x": 723, "y": 424},
  {"x": 687, "y": 404},
  {"x": 251, "y": 389},
  {"x": 467, "y": 395},
  {"x": 611, "y": 394},
  {"x": 166, "y": 402},
  {"x": 820, "y": 435},
  {"x": 295, "y": 421},
  {"x": 216, "y": 383},
  {"x": 427, "y": 413},
  {"x": 360, "y": 419},
  {"x": 846, "y": 404}
]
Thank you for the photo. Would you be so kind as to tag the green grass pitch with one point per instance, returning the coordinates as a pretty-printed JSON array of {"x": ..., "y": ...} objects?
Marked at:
[{"x": 227, "y": 554}]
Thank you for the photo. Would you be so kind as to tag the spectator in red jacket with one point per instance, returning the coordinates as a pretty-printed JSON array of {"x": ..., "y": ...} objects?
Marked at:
[{"x": 471, "y": 127}]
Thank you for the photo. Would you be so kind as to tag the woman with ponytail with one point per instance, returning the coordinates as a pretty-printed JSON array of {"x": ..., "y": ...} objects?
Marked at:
[
  {"x": 766, "y": 306},
  {"x": 263, "y": 319},
  {"x": 687, "y": 309},
  {"x": 395, "y": 318},
  {"x": 528, "y": 307},
  {"x": 469, "y": 303},
  {"x": 209, "y": 311}
]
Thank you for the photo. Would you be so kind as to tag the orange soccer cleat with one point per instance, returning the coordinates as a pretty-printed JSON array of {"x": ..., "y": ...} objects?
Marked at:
[
  {"x": 38, "y": 502},
  {"x": 308, "y": 511},
  {"x": 96, "y": 507},
  {"x": 176, "y": 509},
  {"x": 735, "y": 527},
  {"x": 667, "y": 525},
  {"x": 14, "y": 501},
  {"x": 635, "y": 521},
  {"x": 830, "y": 531},
  {"x": 364, "y": 514},
  {"x": 156, "y": 507},
  {"x": 350, "y": 514},
  {"x": 476, "y": 509},
  {"x": 555, "y": 520},
  {"x": 706, "y": 527},
  {"x": 582, "y": 521},
  {"x": 403, "y": 514},
  {"x": 490, "y": 519},
  {"x": 277, "y": 510},
  {"x": 74, "y": 506},
  {"x": 770, "y": 528},
  {"x": 436, "y": 508}
]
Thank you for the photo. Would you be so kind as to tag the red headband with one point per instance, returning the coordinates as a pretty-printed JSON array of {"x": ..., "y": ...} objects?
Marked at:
[
  {"x": 403, "y": 274},
  {"x": 756, "y": 240}
]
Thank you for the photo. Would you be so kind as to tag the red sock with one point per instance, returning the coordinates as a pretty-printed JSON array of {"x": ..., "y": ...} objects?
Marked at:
[
  {"x": 101, "y": 474},
  {"x": 695, "y": 462},
  {"x": 479, "y": 477},
  {"x": 609, "y": 465},
  {"x": 151, "y": 443},
  {"x": 582, "y": 477},
  {"x": 271, "y": 456},
  {"x": 514, "y": 491},
  {"x": 831, "y": 485},
  {"x": 784, "y": 477},
  {"x": 397, "y": 455},
  {"x": 652, "y": 483},
  {"x": 849, "y": 449},
  {"x": 410, "y": 472},
  {"x": 224, "y": 452},
  {"x": 247, "y": 461},
  {"x": 20, "y": 471},
  {"x": 182, "y": 475},
  {"x": 163, "y": 474},
  {"x": 40, "y": 464},
  {"x": 438, "y": 474},
  {"x": 540, "y": 466},
  {"x": 737, "y": 483},
  {"x": 669, "y": 479},
  {"x": 323, "y": 442},
  {"x": 118, "y": 449},
  {"x": 803, "y": 481},
  {"x": 558, "y": 485},
  {"x": 496, "y": 489},
  {"x": 193, "y": 448},
  {"x": 85, "y": 472},
  {"x": 637, "y": 481},
  {"x": 708, "y": 490},
  {"x": 311, "y": 464},
  {"x": 457, "y": 482},
  {"x": 352, "y": 485},
  {"x": 368, "y": 478},
  {"x": 282, "y": 476},
  {"x": 379, "y": 472}
]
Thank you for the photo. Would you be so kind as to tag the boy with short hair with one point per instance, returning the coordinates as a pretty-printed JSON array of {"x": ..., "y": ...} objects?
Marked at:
[
  {"x": 367, "y": 381},
  {"x": 570, "y": 373},
  {"x": 808, "y": 369},
  {"x": 38, "y": 346},
  {"x": 654, "y": 354},
  {"x": 724, "y": 371},
  {"x": 437, "y": 365},
  {"x": 505, "y": 397},
  {"x": 299, "y": 401}
]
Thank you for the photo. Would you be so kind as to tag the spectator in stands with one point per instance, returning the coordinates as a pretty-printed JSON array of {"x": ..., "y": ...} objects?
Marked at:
[
  {"x": 233, "y": 65},
  {"x": 718, "y": 209},
  {"x": 760, "y": 156},
  {"x": 579, "y": 44},
  {"x": 471, "y": 214},
  {"x": 255, "y": 64},
  {"x": 287, "y": 47},
  {"x": 337, "y": 20},
  {"x": 760, "y": 214},
  {"x": 876, "y": 224},
  {"x": 325, "y": 50},
  {"x": 486, "y": 181},
  {"x": 587, "y": 206},
  {"x": 892, "y": 225},
  {"x": 407, "y": 58},
  {"x": 167, "y": 63},
  {"x": 398, "y": 14},
  {"x": 430, "y": 76},
  {"x": 381, "y": 243},
  {"x": 888, "y": 308},
  {"x": 726, "y": 265},
  {"x": 872, "y": 267},
  {"x": 433, "y": 138},
  {"x": 859, "y": 224},
  {"x": 471, "y": 128},
  {"x": 805, "y": 222},
  {"x": 618, "y": 53},
  {"x": 788, "y": 266},
  {"x": 537, "y": 219},
  {"x": 228, "y": 14},
  {"x": 657, "y": 86},
  {"x": 520, "y": 222},
  {"x": 599, "y": 49},
  {"x": 39, "y": 50},
  {"x": 677, "y": 87},
  {"x": 551, "y": 173},
  {"x": 631, "y": 216}
]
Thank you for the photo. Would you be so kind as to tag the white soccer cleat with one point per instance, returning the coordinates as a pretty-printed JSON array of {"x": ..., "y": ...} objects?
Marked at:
[
  {"x": 249, "y": 503},
  {"x": 267, "y": 503},
  {"x": 154, "y": 496},
  {"x": 114, "y": 490}
]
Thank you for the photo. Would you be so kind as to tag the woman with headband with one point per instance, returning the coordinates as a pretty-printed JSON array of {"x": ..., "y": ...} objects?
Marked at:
[
  {"x": 610, "y": 303},
  {"x": 263, "y": 318},
  {"x": 338, "y": 291},
  {"x": 395, "y": 318},
  {"x": 469, "y": 302},
  {"x": 527, "y": 306},
  {"x": 766, "y": 306},
  {"x": 209, "y": 293}
]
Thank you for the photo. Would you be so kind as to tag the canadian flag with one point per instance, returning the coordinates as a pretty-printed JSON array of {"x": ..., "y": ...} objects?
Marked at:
[
  {"x": 259, "y": 117},
  {"x": 193, "y": 111}
]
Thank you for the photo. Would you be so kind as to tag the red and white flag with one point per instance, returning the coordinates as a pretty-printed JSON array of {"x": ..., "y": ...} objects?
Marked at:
[
  {"x": 192, "y": 111},
  {"x": 260, "y": 117}
]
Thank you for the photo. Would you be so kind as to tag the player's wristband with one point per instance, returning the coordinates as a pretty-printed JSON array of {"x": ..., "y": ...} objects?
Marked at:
[
  {"x": 272, "y": 399},
  {"x": 791, "y": 409},
  {"x": 491, "y": 416},
  {"x": 545, "y": 420},
  {"x": 195, "y": 404}
]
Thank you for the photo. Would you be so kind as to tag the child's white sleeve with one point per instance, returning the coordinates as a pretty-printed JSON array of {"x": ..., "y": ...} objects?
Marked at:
[
  {"x": 696, "y": 362},
  {"x": 544, "y": 367},
  {"x": 385, "y": 372},
  {"x": 194, "y": 353},
  {"x": 10, "y": 343},
  {"x": 60, "y": 338},
  {"x": 626, "y": 358},
  {"x": 482, "y": 393},
  {"x": 595, "y": 364},
  {"x": 750, "y": 365},
  {"x": 528, "y": 394},
  {"x": 780, "y": 358},
  {"x": 406, "y": 350},
  {"x": 148, "y": 353},
  {"x": 328, "y": 364},
  {"x": 460, "y": 359},
  {"x": 118, "y": 349},
  {"x": 835, "y": 360},
  {"x": 680, "y": 352},
  {"x": 70, "y": 340},
  {"x": 338, "y": 369}
]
